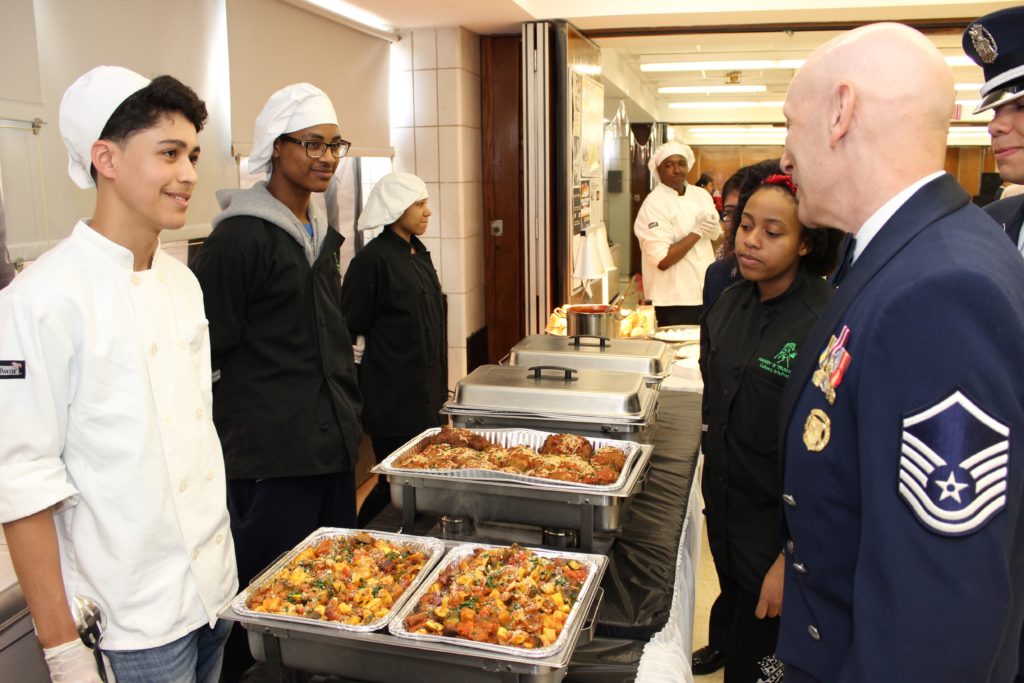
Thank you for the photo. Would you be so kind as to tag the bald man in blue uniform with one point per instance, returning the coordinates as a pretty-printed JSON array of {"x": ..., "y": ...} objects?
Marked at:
[{"x": 902, "y": 431}]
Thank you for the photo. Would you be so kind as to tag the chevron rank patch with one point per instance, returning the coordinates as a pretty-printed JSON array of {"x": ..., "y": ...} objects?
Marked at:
[{"x": 954, "y": 465}]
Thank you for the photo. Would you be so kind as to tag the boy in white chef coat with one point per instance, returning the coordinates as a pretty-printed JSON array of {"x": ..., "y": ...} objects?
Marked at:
[{"x": 111, "y": 474}]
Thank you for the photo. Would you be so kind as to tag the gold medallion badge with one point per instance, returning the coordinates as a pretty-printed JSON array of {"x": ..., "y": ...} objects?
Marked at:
[
  {"x": 817, "y": 430},
  {"x": 984, "y": 43}
]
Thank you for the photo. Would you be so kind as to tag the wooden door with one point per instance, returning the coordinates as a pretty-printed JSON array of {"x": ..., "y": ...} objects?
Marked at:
[{"x": 501, "y": 91}]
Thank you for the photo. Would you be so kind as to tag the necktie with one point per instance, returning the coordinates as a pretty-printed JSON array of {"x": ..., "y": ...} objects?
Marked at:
[{"x": 846, "y": 263}]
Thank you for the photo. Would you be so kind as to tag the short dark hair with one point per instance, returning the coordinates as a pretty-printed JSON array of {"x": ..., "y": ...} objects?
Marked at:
[
  {"x": 734, "y": 181},
  {"x": 163, "y": 96},
  {"x": 822, "y": 243},
  {"x": 705, "y": 179}
]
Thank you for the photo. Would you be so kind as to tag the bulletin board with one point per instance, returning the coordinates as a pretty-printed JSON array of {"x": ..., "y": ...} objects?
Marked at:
[{"x": 587, "y": 161}]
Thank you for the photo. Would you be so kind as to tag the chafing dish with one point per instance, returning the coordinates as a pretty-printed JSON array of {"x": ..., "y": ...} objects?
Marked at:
[
  {"x": 381, "y": 657},
  {"x": 521, "y": 500},
  {"x": 647, "y": 357},
  {"x": 507, "y": 438},
  {"x": 583, "y": 402}
]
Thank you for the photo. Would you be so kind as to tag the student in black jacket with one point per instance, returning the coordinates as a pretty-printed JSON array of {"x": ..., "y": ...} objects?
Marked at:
[
  {"x": 754, "y": 332},
  {"x": 286, "y": 397},
  {"x": 718, "y": 277},
  {"x": 394, "y": 307}
]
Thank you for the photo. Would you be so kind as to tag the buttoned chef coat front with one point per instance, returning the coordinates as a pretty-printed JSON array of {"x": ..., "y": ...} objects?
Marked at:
[
  {"x": 666, "y": 217},
  {"x": 105, "y": 400}
]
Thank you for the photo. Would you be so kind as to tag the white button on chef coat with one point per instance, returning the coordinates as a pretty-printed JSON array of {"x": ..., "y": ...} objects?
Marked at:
[{"x": 88, "y": 430}]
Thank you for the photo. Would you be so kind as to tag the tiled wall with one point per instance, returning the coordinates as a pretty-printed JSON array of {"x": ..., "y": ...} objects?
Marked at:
[{"x": 435, "y": 120}]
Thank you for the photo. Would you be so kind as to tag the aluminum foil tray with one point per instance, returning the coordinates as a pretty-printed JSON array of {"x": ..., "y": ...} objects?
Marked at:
[
  {"x": 433, "y": 548},
  {"x": 595, "y": 570},
  {"x": 513, "y": 437}
]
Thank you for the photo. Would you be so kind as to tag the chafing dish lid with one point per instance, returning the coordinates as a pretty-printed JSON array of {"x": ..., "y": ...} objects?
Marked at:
[
  {"x": 558, "y": 391},
  {"x": 645, "y": 356}
]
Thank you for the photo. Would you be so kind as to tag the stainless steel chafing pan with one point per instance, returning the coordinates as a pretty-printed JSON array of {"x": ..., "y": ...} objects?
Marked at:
[{"x": 647, "y": 357}]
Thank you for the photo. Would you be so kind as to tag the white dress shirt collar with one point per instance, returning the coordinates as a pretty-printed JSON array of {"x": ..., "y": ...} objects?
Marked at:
[{"x": 879, "y": 218}]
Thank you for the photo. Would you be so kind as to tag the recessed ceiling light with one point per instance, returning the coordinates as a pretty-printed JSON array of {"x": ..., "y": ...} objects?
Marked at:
[
  {"x": 725, "y": 65},
  {"x": 710, "y": 89},
  {"x": 350, "y": 11},
  {"x": 757, "y": 64},
  {"x": 720, "y": 105}
]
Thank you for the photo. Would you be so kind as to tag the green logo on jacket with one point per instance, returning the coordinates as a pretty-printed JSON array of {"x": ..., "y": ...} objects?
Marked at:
[{"x": 780, "y": 363}]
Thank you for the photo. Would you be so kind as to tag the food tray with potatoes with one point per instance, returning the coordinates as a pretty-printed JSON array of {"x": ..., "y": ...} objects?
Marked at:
[
  {"x": 524, "y": 456},
  {"x": 343, "y": 579},
  {"x": 507, "y": 599}
]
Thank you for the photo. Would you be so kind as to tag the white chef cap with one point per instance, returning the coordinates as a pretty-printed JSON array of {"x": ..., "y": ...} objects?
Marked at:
[
  {"x": 291, "y": 108},
  {"x": 85, "y": 109},
  {"x": 389, "y": 198},
  {"x": 667, "y": 150}
]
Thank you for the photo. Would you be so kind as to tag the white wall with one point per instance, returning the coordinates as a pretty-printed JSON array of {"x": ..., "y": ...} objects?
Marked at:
[
  {"x": 274, "y": 44},
  {"x": 435, "y": 120},
  {"x": 189, "y": 42}
]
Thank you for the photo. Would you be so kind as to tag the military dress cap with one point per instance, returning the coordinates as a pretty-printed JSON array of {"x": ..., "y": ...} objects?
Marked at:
[{"x": 996, "y": 43}]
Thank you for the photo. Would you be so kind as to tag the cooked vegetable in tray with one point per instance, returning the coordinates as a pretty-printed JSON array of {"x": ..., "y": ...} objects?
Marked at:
[
  {"x": 506, "y": 596},
  {"x": 349, "y": 579}
]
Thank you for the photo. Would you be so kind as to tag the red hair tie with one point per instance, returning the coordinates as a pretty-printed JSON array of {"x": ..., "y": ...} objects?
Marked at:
[{"x": 780, "y": 179}]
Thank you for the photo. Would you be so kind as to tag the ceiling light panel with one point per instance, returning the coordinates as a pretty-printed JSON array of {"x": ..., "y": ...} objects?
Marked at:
[{"x": 710, "y": 89}]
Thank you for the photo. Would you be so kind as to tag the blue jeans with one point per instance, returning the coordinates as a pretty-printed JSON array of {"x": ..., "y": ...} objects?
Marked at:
[{"x": 193, "y": 658}]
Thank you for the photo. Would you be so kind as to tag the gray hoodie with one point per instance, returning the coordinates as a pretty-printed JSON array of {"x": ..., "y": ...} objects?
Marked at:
[{"x": 259, "y": 203}]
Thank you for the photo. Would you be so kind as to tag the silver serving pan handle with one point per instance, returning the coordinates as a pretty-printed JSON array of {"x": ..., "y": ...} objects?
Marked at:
[
  {"x": 538, "y": 372},
  {"x": 603, "y": 342},
  {"x": 587, "y": 630}
]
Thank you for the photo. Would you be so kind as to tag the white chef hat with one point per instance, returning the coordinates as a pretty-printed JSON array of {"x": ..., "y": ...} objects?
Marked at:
[
  {"x": 389, "y": 198},
  {"x": 291, "y": 108},
  {"x": 85, "y": 109},
  {"x": 667, "y": 150}
]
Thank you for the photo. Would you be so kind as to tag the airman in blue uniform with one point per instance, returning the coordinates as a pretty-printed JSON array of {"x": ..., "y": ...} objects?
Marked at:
[
  {"x": 903, "y": 422},
  {"x": 996, "y": 44}
]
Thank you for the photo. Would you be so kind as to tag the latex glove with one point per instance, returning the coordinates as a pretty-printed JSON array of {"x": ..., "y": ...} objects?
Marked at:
[
  {"x": 72, "y": 662},
  {"x": 709, "y": 226},
  {"x": 358, "y": 348}
]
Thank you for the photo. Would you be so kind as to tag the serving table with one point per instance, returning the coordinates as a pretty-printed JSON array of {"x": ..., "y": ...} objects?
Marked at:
[{"x": 639, "y": 630}]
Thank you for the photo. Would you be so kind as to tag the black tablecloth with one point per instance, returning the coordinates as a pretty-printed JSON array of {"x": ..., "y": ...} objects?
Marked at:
[{"x": 641, "y": 570}]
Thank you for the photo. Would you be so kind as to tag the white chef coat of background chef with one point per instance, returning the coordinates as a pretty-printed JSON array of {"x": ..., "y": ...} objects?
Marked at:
[
  {"x": 150, "y": 533},
  {"x": 673, "y": 217}
]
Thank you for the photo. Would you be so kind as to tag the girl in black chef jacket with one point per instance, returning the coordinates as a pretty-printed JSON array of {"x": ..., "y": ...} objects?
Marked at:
[
  {"x": 392, "y": 300},
  {"x": 754, "y": 332}
]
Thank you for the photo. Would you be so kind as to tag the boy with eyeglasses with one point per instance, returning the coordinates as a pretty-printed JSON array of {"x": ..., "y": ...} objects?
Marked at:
[{"x": 286, "y": 397}]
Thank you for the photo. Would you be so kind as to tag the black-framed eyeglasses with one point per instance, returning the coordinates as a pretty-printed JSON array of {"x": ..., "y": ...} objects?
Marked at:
[
  {"x": 316, "y": 149},
  {"x": 728, "y": 214}
]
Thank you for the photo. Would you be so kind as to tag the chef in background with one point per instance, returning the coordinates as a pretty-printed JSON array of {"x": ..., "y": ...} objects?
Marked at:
[
  {"x": 395, "y": 310},
  {"x": 675, "y": 226}
]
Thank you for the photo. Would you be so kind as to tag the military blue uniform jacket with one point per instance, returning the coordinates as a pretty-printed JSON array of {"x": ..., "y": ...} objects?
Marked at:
[
  {"x": 905, "y": 544},
  {"x": 1009, "y": 213}
]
